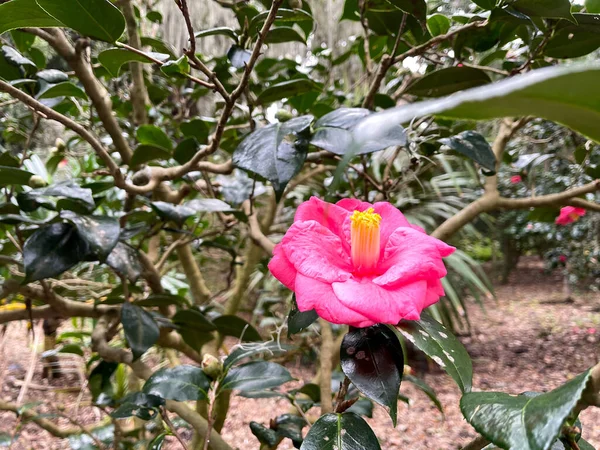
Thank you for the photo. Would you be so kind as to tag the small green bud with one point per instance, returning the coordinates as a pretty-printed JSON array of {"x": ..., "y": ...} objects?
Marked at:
[
  {"x": 283, "y": 115},
  {"x": 295, "y": 4},
  {"x": 37, "y": 182},
  {"x": 212, "y": 367},
  {"x": 60, "y": 145}
]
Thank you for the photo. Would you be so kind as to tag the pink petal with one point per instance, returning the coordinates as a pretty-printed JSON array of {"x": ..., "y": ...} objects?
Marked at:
[
  {"x": 410, "y": 256},
  {"x": 316, "y": 252},
  {"x": 282, "y": 268},
  {"x": 382, "y": 305},
  {"x": 329, "y": 215},
  {"x": 435, "y": 290},
  {"x": 354, "y": 204},
  {"x": 313, "y": 294}
]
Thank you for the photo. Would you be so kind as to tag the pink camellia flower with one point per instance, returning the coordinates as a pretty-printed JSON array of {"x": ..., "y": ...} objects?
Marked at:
[
  {"x": 569, "y": 214},
  {"x": 516, "y": 179},
  {"x": 562, "y": 258},
  {"x": 359, "y": 264}
]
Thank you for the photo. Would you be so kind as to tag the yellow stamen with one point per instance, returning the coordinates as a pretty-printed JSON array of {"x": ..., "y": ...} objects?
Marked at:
[
  {"x": 574, "y": 216},
  {"x": 364, "y": 239}
]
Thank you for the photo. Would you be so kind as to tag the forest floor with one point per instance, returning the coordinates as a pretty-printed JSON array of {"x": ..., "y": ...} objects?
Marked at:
[{"x": 528, "y": 339}]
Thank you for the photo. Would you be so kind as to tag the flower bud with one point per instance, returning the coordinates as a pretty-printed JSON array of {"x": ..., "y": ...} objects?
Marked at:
[
  {"x": 60, "y": 145},
  {"x": 211, "y": 366},
  {"x": 295, "y": 4},
  {"x": 283, "y": 115},
  {"x": 37, "y": 182}
]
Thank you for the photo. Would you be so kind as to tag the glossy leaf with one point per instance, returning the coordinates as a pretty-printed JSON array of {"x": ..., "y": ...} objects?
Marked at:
[
  {"x": 163, "y": 300},
  {"x": 218, "y": 31},
  {"x": 24, "y": 14},
  {"x": 275, "y": 152},
  {"x": 255, "y": 376},
  {"x": 30, "y": 200},
  {"x": 153, "y": 135},
  {"x": 229, "y": 325},
  {"x": 241, "y": 353},
  {"x": 427, "y": 390},
  {"x": 141, "y": 330},
  {"x": 13, "y": 176},
  {"x": 416, "y": 8},
  {"x": 138, "y": 404},
  {"x": 197, "y": 128},
  {"x": 573, "y": 41},
  {"x": 334, "y": 132},
  {"x": 526, "y": 422},
  {"x": 193, "y": 319},
  {"x": 51, "y": 250},
  {"x": 280, "y": 35},
  {"x": 98, "y": 19},
  {"x": 373, "y": 360},
  {"x": 474, "y": 146},
  {"x": 298, "y": 321},
  {"x": 346, "y": 431},
  {"x": 201, "y": 205},
  {"x": 100, "y": 381},
  {"x": 64, "y": 89},
  {"x": 563, "y": 94},
  {"x": 555, "y": 9},
  {"x": 181, "y": 383},
  {"x": 287, "y": 89},
  {"x": 125, "y": 260},
  {"x": 438, "y": 24},
  {"x": 114, "y": 58},
  {"x": 169, "y": 211},
  {"x": 178, "y": 67},
  {"x": 145, "y": 153},
  {"x": 448, "y": 81},
  {"x": 100, "y": 232},
  {"x": 433, "y": 339},
  {"x": 592, "y": 6}
]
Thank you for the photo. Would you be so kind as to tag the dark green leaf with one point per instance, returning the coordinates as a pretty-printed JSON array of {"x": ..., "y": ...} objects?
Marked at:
[
  {"x": 169, "y": 211},
  {"x": 178, "y": 67},
  {"x": 279, "y": 35},
  {"x": 572, "y": 41},
  {"x": 433, "y": 339},
  {"x": 416, "y": 8},
  {"x": 220, "y": 31},
  {"x": 145, "y": 153},
  {"x": 158, "y": 45},
  {"x": 592, "y": 6},
  {"x": 372, "y": 359},
  {"x": 181, "y": 383},
  {"x": 114, "y": 58},
  {"x": 15, "y": 58},
  {"x": 163, "y": 300},
  {"x": 138, "y": 404},
  {"x": 155, "y": 16},
  {"x": 485, "y": 4},
  {"x": 197, "y": 128},
  {"x": 140, "y": 329},
  {"x": 67, "y": 190},
  {"x": 565, "y": 94},
  {"x": 287, "y": 89},
  {"x": 447, "y": 81},
  {"x": 99, "y": 382},
  {"x": 334, "y": 132},
  {"x": 438, "y": 24},
  {"x": 15, "y": 219},
  {"x": 100, "y": 232},
  {"x": 274, "y": 152},
  {"x": 12, "y": 175},
  {"x": 157, "y": 442},
  {"x": 185, "y": 150},
  {"x": 193, "y": 319},
  {"x": 201, "y": 205},
  {"x": 345, "y": 431},
  {"x": 51, "y": 250},
  {"x": 363, "y": 407},
  {"x": 264, "y": 435},
  {"x": 24, "y": 14},
  {"x": 152, "y": 135},
  {"x": 299, "y": 321},
  {"x": 241, "y": 353},
  {"x": 238, "y": 56},
  {"x": 419, "y": 383},
  {"x": 64, "y": 89},
  {"x": 473, "y": 145},
  {"x": 99, "y": 19},
  {"x": 255, "y": 376},
  {"x": 72, "y": 349},
  {"x": 125, "y": 260},
  {"x": 523, "y": 422},
  {"x": 229, "y": 325},
  {"x": 555, "y": 9}
]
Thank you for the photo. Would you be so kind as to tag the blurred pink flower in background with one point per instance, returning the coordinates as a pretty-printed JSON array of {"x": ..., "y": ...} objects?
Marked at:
[
  {"x": 516, "y": 179},
  {"x": 359, "y": 264},
  {"x": 569, "y": 214},
  {"x": 562, "y": 258}
]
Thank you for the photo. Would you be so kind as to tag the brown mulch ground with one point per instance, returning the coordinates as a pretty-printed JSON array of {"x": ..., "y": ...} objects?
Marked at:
[{"x": 528, "y": 340}]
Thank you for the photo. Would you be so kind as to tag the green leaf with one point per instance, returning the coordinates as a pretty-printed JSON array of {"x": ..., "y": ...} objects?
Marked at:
[
  {"x": 592, "y": 6},
  {"x": 181, "y": 383},
  {"x": 157, "y": 442},
  {"x": 163, "y": 300},
  {"x": 438, "y": 24},
  {"x": 229, "y": 325},
  {"x": 265, "y": 435},
  {"x": 193, "y": 319},
  {"x": 485, "y": 4},
  {"x": 185, "y": 150},
  {"x": 24, "y": 14},
  {"x": 473, "y": 145},
  {"x": 140, "y": 329},
  {"x": 98, "y": 19},
  {"x": 114, "y": 58},
  {"x": 372, "y": 359},
  {"x": 72, "y": 349},
  {"x": 64, "y": 89},
  {"x": 152, "y": 135},
  {"x": 51, "y": 250},
  {"x": 218, "y": 31},
  {"x": 99, "y": 382},
  {"x": 29, "y": 201},
  {"x": 447, "y": 81},
  {"x": 145, "y": 153},
  {"x": 241, "y": 353},
  {"x": 334, "y": 132},
  {"x": 158, "y": 46},
  {"x": 178, "y": 67},
  {"x": 100, "y": 232},
  {"x": 154, "y": 16},
  {"x": 298, "y": 321},
  {"x": 555, "y": 9},
  {"x": 256, "y": 375},
  {"x": 524, "y": 422},
  {"x": 275, "y": 152},
  {"x": 197, "y": 128},
  {"x": 125, "y": 260},
  {"x": 169, "y": 211},
  {"x": 572, "y": 41},
  {"x": 345, "y": 431},
  {"x": 416, "y": 8},
  {"x": 279, "y": 35},
  {"x": 287, "y": 89},
  {"x": 564, "y": 94},
  {"x": 202, "y": 205},
  {"x": 433, "y": 339},
  {"x": 13, "y": 176},
  {"x": 138, "y": 404},
  {"x": 16, "y": 59},
  {"x": 420, "y": 384}
]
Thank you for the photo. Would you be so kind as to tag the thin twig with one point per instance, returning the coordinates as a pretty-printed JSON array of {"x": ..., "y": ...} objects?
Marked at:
[{"x": 165, "y": 417}]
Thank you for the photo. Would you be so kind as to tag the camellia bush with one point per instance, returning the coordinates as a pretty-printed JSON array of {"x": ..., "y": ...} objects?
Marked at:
[{"x": 202, "y": 220}]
